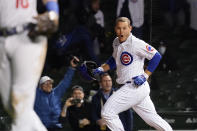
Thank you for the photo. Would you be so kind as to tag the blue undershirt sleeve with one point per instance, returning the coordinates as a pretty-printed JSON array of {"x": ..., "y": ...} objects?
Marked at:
[
  {"x": 154, "y": 62},
  {"x": 111, "y": 62}
]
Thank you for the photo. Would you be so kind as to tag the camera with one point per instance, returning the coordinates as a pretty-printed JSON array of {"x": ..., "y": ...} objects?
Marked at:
[{"x": 76, "y": 101}]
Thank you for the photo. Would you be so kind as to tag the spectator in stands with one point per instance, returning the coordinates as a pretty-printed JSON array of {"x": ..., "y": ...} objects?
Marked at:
[
  {"x": 78, "y": 28},
  {"x": 176, "y": 14},
  {"x": 78, "y": 111},
  {"x": 193, "y": 17},
  {"x": 99, "y": 100},
  {"x": 48, "y": 99},
  {"x": 134, "y": 10},
  {"x": 99, "y": 17},
  {"x": 98, "y": 14}
]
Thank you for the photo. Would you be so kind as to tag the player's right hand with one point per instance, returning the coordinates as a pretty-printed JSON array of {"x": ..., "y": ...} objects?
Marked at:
[
  {"x": 47, "y": 23},
  {"x": 97, "y": 71}
]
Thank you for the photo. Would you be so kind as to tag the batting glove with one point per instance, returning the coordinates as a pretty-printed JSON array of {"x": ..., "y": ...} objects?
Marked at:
[
  {"x": 98, "y": 71},
  {"x": 139, "y": 80}
]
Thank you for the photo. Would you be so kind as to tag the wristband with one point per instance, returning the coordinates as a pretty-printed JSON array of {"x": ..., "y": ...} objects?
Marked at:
[
  {"x": 53, "y": 15},
  {"x": 101, "y": 69},
  {"x": 145, "y": 75}
]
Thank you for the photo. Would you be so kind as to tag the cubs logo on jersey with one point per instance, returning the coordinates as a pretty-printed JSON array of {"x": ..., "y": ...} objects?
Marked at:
[
  {"x": 149, "y": 48},
  {"x": 126, "y": 58}
]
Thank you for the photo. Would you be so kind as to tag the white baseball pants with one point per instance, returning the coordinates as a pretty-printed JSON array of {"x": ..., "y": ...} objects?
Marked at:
[
  {"x": 21, "y": 64},
  {"x": 128, "y": 96}
]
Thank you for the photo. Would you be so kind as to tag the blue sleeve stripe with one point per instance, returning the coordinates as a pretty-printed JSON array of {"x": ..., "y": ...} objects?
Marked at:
[
  {"x": 52, "y": 6},
  {"x": 154, "y": 62},
  {"x": 111, "y": 62}
]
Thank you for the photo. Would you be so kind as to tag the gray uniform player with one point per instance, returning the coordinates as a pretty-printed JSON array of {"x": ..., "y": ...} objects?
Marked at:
[
  {"x": 22, "y": 58},
  {"x": 128, "y": 59}
]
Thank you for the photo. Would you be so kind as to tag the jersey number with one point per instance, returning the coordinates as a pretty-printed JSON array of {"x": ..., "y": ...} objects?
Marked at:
[{"x": 22, "y": 3}]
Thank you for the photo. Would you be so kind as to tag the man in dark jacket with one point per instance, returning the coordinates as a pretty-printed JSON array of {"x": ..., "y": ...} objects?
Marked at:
[
  {"x": 99, "y": 100},
  {"x": 48, "y": 99}
]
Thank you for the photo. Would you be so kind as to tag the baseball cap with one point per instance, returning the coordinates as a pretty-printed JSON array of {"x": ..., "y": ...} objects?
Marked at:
[
  {"x": 44, "y": 79},
  {"x": 77, "y": 87}
]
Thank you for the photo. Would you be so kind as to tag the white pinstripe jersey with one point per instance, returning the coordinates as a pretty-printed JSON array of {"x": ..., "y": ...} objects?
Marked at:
[
  {"x": 16, "y": 12},
  {"x": 129, "y": 57}
]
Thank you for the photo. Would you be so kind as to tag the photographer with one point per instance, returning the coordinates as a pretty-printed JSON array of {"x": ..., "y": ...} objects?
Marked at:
[
  {"x": 78, "y": 111},
  {"x": 48, "y": 99}
]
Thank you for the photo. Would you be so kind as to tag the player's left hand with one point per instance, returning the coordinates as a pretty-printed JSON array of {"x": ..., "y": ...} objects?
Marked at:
[{"x": 139, "y": 80}]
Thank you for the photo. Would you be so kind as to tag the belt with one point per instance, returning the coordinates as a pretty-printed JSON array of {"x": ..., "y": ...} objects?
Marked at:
[
  {"x": 120, "y": 85},
  {"x": 15, "y": 30}
]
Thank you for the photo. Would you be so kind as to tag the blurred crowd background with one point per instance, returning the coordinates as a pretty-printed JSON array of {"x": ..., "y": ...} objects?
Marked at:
[{"x": 87, "y": 31}]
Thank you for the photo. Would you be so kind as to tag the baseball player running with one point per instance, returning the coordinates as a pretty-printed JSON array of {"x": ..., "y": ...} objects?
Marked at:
[
  {"x": 23, "y": 48},
  {"x": 128, "y": 58}
]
